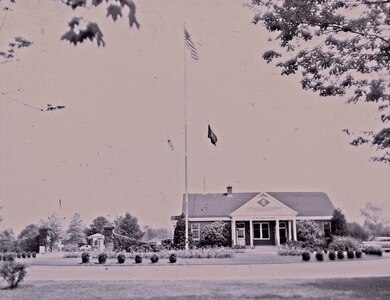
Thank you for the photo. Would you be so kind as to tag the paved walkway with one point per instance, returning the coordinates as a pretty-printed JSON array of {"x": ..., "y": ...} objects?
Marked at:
[{"x": 336, "y": 269}]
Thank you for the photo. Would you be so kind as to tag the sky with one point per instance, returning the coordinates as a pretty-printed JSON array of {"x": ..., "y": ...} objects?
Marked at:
[{"x": 106, "y": 153}]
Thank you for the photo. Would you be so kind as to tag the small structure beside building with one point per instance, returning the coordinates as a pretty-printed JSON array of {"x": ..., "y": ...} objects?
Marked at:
[
  {"x": 97, "y": 241},
  {"x": 259, "y": 218}
]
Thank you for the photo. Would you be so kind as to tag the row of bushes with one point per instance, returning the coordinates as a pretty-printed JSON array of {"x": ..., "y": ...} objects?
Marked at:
[
  {"x": 338, "y": 243},
  {"x": 373, "y": 250},
  {"x": 164, "y": 254},
  {"x": 10, "y": 256},
  {"x": 332, "y": 255},
  {"x": 102, "y": 258}
]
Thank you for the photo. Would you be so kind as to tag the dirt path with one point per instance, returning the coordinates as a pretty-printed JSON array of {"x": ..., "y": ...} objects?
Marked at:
[{"x": 366, "y": 268}]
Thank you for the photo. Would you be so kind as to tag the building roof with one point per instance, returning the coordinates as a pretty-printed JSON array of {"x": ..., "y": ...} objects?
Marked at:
[
  {"x": 96, "y": 235},
  {"x": 306, "y": 204}
]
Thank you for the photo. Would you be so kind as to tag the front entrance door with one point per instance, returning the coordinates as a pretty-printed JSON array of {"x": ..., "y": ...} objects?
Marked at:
[
  {"x": 240, "y": 234},
  {"x": 283, "y": 232}
]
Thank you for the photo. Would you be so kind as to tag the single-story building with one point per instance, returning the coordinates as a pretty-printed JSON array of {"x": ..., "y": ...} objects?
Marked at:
[
  {"x": 97, "y": 241},
  {"x": 259, "y": 218}
]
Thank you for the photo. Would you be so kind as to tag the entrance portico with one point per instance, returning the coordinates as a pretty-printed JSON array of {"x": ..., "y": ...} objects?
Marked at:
[{"x": 266, "y": 220}]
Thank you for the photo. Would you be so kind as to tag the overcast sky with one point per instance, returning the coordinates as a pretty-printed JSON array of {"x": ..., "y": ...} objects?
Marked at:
[{"x": 107, "y": 153}]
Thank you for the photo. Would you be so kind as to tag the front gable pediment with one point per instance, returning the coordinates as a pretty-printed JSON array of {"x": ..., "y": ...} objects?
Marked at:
[{"x": 265, "y": 205}]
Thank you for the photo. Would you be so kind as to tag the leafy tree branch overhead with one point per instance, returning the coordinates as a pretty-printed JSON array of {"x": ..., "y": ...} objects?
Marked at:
[
  {"x": 341, "y": 48},
  {"x": 81, "y": 29}
]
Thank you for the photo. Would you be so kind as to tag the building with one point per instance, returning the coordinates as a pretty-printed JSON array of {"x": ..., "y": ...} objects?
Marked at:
[
  {"x": 97, "y": 241},
  {"x": 260, "y": 218}
]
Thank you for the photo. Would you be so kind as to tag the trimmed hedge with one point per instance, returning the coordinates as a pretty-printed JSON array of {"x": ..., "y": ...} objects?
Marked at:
[
  {"x": 85, "y": 257},
  {"x": 340, "y": 254},
  {"x": 121, "y": 258},
  {"x": 358, "y": 253},
  {"x": 102, "y": 258},
  {"x": 138, "y": 259},
  {"x": 350, "y": 254},
  {"x": 172, "y": 258},
  {"x": 332, "y": 255},
  {"x": 154, "y": 258},
  {"x": 306, "y": 256},
  {"x": 319, "y": 256}
]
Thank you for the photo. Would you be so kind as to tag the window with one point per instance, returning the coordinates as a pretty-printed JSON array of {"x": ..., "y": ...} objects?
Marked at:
[
  {"x": 261, "y": 231},
  {"x": 326, "y": 226},
  {"x": 195, "y": 230}
]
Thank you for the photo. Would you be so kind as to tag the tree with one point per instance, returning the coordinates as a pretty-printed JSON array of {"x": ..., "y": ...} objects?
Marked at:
[
  {"x": 215, "y": 234},
  {"x": 54, "y": 226},
  {"x": 127, "y": 232},
  {"x": 309, "y": 233},
  {"x": 341, "y": 48},
  {"x": 179, "y": 235},
  {"x": 29, "y": 238},
  {"x": 339, "y": 223},
  {"x": 374, "y": 220},
  {"x": 357, "y": 231},
  {"x": 151, "y": 233},
  {"x": 75, "y": 232},
  {"x": 97, "y": 226},
  {"x": 7, "y": 240}
]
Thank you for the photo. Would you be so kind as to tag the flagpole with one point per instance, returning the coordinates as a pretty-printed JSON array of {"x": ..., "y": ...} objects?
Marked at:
[{"x": 185, "y": 145}]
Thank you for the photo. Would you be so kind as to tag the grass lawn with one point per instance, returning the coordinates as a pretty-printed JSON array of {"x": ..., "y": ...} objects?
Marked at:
[
  {"x": 56, "y": 259},
  {"x": 341, "y": 288}
]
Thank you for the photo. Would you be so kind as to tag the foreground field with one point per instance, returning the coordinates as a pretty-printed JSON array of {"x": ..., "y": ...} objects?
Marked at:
[{"x": 340, "y": 288}]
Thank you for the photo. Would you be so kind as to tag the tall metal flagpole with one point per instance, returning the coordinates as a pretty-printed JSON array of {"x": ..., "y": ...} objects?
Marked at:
[{"x": 185, "y": 143}]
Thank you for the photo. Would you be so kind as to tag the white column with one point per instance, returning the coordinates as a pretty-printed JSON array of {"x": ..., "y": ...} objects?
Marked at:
[
  {"x": 233, "y": 232},
  {"x": 251, "y": 232},
  {"x": 277, "y": 238},
  {"x": 289, "y": 230},
  {"x": 295, "y": 229}
]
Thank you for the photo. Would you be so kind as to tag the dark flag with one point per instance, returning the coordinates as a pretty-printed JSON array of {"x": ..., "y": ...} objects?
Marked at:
[
  {"x": 211, "y": 135},
  {"x": 190, "y": 45}
]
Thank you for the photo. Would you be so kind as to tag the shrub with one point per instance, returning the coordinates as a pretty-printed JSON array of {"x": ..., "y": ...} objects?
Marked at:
[
  {"x": 373, "y": 250},
  {"x": 308, "y": 233},
  {"x": 343, "y": 243},
  {"x": 172, "y": 258},
  {"x": 154, "y": 258},
  {"x": 102, "y": 258},
  {"x": 24, "y": 255},
  {"x": 9, "y": 256},
  {"x": 332, "y": 255},
  {"x": 320, "y": 256},
  {"x": 19, "y": 255},
  {"x": 121, "y": 258},
  {"x": 358, "y": 253},
  {"x": 289, "y": 250},
  {"x": 28, "y": 254},
  {"x": 34, "y": 254},
  {"x": 85, "y": 257},
  {"x": 306, "y": 256},
  {"x": 215, "y": 234},
  {"x": 350, "y": 254},
  {"x": 138, "y": 259},
  {"x": 340, "y": 254},
  {"x": 13, "y": 273}
]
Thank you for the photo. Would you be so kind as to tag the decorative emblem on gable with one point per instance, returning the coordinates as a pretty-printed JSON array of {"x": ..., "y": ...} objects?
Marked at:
[{"x": 263, "y": 202}]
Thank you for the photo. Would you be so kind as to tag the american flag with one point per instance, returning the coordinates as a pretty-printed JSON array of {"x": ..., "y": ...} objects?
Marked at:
[{"x": 190, "y": 45}]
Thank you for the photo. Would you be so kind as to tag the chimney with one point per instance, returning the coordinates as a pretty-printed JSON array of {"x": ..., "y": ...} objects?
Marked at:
[{"x": 229, "y": 190}]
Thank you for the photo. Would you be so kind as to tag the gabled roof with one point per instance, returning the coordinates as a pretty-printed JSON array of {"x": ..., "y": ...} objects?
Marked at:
[
  {"x": 215, "y": 205},
  {"x": 306, "y": 204},
  {"x": 96, "y": 235}
]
